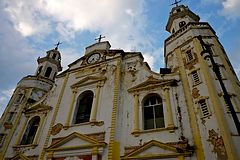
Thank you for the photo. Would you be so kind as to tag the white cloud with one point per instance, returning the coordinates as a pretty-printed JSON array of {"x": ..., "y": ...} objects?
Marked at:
[
  {"x": 27, "y": 17},
  {"x": 231, "y": 9},
  {"x": 4, "y": 98},
  {"x": 122, "y": 22}
]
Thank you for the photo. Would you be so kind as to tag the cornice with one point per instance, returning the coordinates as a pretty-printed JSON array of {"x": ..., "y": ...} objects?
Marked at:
[
  {"x": 152, "y": 82},
  {"x": 88, "y": 80}
]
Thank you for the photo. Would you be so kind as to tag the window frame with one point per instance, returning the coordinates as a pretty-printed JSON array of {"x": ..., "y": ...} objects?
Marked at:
[
  {"x": 159, "y": 104},
  {"x": 77, "y": 105},
  {"x": 28, "y": 127},
  {"x": 48, "y": 72},
  {"x": 188, "y": 57},
  {"x": 195, "y": 76},
  {"x": 205, "y": 109}
]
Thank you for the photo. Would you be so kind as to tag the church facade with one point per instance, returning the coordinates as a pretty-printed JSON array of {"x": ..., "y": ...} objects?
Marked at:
[{"x": 108, "y": 104}]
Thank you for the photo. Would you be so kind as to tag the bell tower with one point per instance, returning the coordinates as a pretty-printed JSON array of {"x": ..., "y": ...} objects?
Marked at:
[
  {"x": 210, "y": 118},
  {"x": 26, "y": 103},
  {"x": 49, "y": 65}
]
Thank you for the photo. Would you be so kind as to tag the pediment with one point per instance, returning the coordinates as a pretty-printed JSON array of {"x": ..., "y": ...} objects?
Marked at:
[
  {"x": 39, "y": 107},
  {"x": 88, "y": 80},
  {"x": 152, "y": 82},
  {"x": 75, "y": 141},
  {"x": 20, "y": 157},
  {"x": 155, "y": 149}
]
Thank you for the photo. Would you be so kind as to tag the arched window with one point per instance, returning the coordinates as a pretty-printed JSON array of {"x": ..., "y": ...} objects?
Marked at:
[
  {"x": 39, "y": 70},
  {"x": 30, "y": 131},
  {"x": 181, "y": 24},
  {"x": 48, "y": 72},
  {"x": 54, "y": 55},
  {"x": 84, "y": 106},
  {"x": 153, "y": 112}
]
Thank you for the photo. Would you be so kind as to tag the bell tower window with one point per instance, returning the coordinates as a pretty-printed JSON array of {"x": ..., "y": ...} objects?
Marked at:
[
  {"x": 39, "y": 70},
  {"x": 48, "y": 72},
  {"x": 83, "y": 108},
  {"x": 181, "y": 24},
  {"x": 54, "y": 55},
  {"x": 30, "y": 131}
]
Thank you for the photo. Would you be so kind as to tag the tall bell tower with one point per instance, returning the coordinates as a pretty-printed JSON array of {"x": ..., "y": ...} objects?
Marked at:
[
  {"x": 213, "y": 129},
  {"x": 26, "y": 107},
  {"x": 49, "y": 65}
]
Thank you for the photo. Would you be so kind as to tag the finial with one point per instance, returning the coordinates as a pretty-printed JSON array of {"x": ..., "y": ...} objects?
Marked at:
[
  {"x": 176, "y": 2},
  {"x": 100, "y": 38},
  {"x": 57, "y": 45}
]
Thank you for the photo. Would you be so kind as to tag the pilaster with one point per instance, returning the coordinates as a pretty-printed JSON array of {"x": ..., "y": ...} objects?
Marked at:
[
  {"x": 136, "y": 113},
  {"x": 190, "y": 104},
  {"x": 168, "y": 106},
  {"x": 74, "y": 92},
  {"x": 214, "y": 98},
  {"x": 93, "y": 115},
  {"x": 113, "y": 148},
  {"x": 41, "y": 157}
]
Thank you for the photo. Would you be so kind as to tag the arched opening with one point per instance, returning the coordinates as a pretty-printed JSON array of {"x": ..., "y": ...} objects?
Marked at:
[
  {"x": 182, "y": 23},
  {"x": 48, "y": 72},
  {"x": 39, "y": 70},
  {"x": 54, "y": 55},
  {"x": 153, "y": 116},
  {"x": 30, "y": 131},
  {"x": 84, "y": 106}
]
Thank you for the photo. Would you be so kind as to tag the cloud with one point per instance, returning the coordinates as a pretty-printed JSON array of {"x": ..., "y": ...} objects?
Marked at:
[
  {"x": 231, "y": 9},
  {"x": 28, "y": 26},
  {"x": 4, "y": 98}
]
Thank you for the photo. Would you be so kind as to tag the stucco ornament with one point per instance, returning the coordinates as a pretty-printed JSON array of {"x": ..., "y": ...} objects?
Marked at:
[
  {"x": 56, "y": 129},
  {"x": 218, "y": 144},
  {"x": 195, "y": 93}
]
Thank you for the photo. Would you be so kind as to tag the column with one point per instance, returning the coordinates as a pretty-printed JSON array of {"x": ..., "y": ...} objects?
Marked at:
[
  {"x": 136, "y": 113},
  {"x": 168, "y": 106},
  {"x": 74, "y": 91},
  {"x": 93, "y": 115}
]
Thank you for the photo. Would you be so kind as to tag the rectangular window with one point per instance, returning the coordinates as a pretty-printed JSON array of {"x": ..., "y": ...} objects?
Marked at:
[
  {"x": 234, "y": 103},
  {"x": 195, "y": 78},
  {"x": 189, "y": 55},
  {"x": 204, "y": 108}
]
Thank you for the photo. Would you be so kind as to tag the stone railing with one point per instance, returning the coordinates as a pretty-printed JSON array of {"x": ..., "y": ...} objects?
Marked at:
[{"x": 187, "y": 27}]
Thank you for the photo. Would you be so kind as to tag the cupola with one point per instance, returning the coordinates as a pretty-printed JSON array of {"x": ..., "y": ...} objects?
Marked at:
[{"x": 179, "y": 17}]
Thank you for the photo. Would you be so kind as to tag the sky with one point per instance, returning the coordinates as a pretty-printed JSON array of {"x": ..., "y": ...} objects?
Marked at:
[{"x": 29, "y": 28}]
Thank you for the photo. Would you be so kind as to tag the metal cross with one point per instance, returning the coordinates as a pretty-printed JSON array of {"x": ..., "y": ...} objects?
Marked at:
[
  {"x": 176, "y": 2},
  {"x": 100, "y": 38},
  {"x": 57, "y": 45}
]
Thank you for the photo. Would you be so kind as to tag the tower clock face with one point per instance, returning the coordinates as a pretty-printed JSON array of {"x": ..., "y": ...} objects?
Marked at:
[{"x": 93, "y": 58}]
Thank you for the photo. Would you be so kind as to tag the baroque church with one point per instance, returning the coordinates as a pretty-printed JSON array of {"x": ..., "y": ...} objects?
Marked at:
[{"x": 110, "y": 105}]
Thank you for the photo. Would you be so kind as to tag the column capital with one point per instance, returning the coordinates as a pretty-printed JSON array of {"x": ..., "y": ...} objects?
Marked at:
[
  {"x": 166, "y": 88},
  {"x": 135, "y": 94},
  {"x": 74, "y": 90}
]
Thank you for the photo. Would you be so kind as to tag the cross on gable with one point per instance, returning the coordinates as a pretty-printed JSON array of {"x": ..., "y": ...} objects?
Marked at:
[
  {"x": 176, "y": 2},
  {"x": 100, "y": 38},
  {"x": 57, "y": 45}
]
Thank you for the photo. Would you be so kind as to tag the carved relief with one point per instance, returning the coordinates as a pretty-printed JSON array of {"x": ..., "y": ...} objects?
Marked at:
[
  {"x": 132, "y": 69},
  {"x": 56, "y": 129},
  {"x": 113, "y": 68},
  {"x": 195, "y": 93},
  {"x": 218, "y": 144}
]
